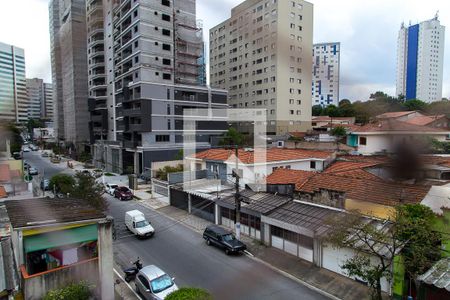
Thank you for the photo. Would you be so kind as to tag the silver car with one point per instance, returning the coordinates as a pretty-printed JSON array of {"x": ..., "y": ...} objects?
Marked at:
[{"x": 153, "y": 283}]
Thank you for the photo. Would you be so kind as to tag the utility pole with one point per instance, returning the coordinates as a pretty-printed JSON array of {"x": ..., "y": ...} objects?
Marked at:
[{"x": 237, "y": 196}]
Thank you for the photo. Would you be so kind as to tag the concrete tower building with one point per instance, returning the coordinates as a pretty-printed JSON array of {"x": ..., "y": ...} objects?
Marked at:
[
  {"x": 147, "y": 58},
  {"x": 47, "y": 109},
  {"x": 325, "y": 77},
  {"x": 263, "y": 56},
  {"x": 420, "y": 60},
  {"x": 69, "y": 70},
  {"x": 13, "y": 89},
  {"x": 35, "y": 91}
]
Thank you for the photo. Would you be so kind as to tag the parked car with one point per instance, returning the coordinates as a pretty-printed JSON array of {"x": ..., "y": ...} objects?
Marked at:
[
  {"x": 85, "y": 172},
  {"x": 110, "y": 188},
  {"x": 32, "y": 171},
  {"x": 146, "y": 175},
  {"x": 26, "y": 164},
  {"x": 26, "y": 149},
  {"x": 135, "y": 222},
  {"x": 153, "y": 283},
  {"x": 44, "y": 154},
  {"x": 17, "y": 155},
  {"x": 217, "y": 236},
  {"x": 45, "y": 184},
  {"x": 34, "y": 148},
  {"x": 123, "y": 193}
]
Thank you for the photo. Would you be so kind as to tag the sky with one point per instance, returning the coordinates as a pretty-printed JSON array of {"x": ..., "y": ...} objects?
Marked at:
[{"x": 367, "y": 31}]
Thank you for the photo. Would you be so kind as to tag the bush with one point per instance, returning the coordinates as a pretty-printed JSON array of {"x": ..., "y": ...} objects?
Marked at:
[
  {"x": 75, "y": 291},
  {"x": 162, "y": 174},
  {"x": 189, "y": 294},
  {"x": 63, "y": 183}
]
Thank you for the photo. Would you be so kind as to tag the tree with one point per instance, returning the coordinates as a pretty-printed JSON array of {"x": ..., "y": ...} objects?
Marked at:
[
  {"x": 415, "y": 104},
  {"x": 344, "y": 102},
  {"x": 331, "y": 111},
  {"x": 232, "y": 137},
  {"x": 338, "y": 132},
  {"x": 62, "y": 183},
  {"x": 408, "y": 231},
  {"x": 317, "y": 110},
  {"x": 88, "y": 189},
  {"x": 13, "y": 133},
  {"x": 189, "y": 294}
]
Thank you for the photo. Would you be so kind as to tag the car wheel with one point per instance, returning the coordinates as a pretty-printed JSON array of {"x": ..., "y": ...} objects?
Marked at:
[
  {"x": 127, "y": 278},
  {"x": 208, "y": 242},
  {"x": 227, "y": 252}
]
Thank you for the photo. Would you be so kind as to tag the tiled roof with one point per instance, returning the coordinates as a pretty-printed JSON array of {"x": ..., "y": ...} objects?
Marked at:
[
  {"x": 424, "y": 120},
  {"x": 375, "y": 191},
  {"x": 392, "y": 125},
  {"x": 272, "y": 155},
  {"x": 3, "y": 193},
  {"x": 353, "y": 169},
  {"x": 287, "y": 176},
  {"x": 47, "y": 211},
  {"x": 395, "y": 114},
  {"x": 5, "y": 175}
]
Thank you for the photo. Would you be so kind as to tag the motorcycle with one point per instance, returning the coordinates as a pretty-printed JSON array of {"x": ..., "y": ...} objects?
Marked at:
[{"x": 130, "y": 273}]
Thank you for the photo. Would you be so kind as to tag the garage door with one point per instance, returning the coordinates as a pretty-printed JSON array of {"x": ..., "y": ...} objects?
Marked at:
[{"x": 292, "y": 243}]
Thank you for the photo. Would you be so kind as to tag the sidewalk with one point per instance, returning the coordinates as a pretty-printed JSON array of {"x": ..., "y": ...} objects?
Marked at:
[{"x": 332, "y": 283}]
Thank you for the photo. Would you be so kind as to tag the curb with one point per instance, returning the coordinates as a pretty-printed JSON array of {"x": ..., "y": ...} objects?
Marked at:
[
  {"x": 298, "y": 280},
  {"x": 251, "y": 256}
]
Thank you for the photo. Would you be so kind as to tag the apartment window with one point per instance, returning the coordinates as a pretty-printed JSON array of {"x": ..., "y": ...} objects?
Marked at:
[
  {"x": 135, "y": 13},
  {"x": 167, "y": 76},
  {"x": 168, "y": 109},
  {"x": 162, "y": 138},
  {"x": 136, "y": 28},
  {"x": 312, "y": 165},
  {"x": 166, "y": 47},
  {"x": 165, "y": 3},
  {"x": 363, "y": 140},
  {"x": 166, "y": 32},
  {"x": 291, "y": 112},
  {"x": 136, "y": 44},
  {"x": 291, "y": 101},
  {"x": 166, "y": 61},
  {"x": 165, "y": 17},
  {"x": 168, "y": 94},
  {"x": 168, "y": 124},
  {"x": 136, "y": 59},
  {"x": 299, "y": 112}
]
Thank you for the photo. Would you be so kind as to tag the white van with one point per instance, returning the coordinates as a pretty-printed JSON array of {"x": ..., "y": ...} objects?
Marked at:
[{"x": 137, "y": 224}]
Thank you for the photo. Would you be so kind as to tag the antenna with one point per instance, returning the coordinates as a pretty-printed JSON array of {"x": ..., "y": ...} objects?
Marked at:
[{"x": 436, "y": 17}]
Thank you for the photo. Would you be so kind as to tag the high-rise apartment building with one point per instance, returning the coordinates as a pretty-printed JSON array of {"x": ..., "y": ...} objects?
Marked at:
[
  {"x": 263, "y": 56},
  {"x": 325, "y": 74},
  {"x": 40, "y": 99},
  {"x": 146, "y": 53},
  {"x": 69, "y": 70},
  {"x": 35, "y": 91},
  {"x": 13, "y": 89},
  {"x": 420, "y": 60},
  {"x": 47, "y": 109}
]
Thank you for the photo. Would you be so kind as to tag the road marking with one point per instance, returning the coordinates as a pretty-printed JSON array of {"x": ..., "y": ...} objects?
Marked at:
[{"x": 128, "y": 285}]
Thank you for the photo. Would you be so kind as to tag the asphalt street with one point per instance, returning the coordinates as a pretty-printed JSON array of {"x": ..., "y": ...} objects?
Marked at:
[{"x": 183, "y": 254}]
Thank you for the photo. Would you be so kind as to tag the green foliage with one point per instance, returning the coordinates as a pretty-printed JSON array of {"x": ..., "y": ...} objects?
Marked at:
[
  {"x": 179, "y": 155},
  {"x": 232, "y": 137},
  {"x": 13, "y": 133},
  {"x": 189, "y": 294},
  {"x": 88, "y": 189},
  {"x": 410, "y": 232},
  {"x": 85, "y": 157},
  {"x": 415, "y": 104},
  {"x": 109, "y": 174},
  {"x": 317, "y": 110},
  {"x": 75, "y": 291},
  {"x": 344, "y": 102},
  {"x": 62, "y": 183},
  {"x": 162, "y": 174},
  {"x": 339, "y": 132},
  {"x": 438, "y": 147}
]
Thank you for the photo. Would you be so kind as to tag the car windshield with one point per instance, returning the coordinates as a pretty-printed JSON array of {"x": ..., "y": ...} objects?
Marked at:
[
  {"x": 228, "y": 237},
  {"x": 123, "y": 189},
  {"x": 161, "y": 283},
  {"x": 141, "y": 224}
]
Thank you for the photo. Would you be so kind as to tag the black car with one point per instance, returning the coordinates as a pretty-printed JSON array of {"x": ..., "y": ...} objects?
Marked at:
[{"x": 215, "y": 235}]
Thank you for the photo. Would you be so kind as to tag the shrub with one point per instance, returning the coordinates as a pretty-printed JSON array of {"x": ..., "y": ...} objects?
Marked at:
[
  {"x": 189, "y": 294},
  {"x": 75, "y": 291},
  {"x": 162, "y": 174},
  {"x": 63, "y": 183}
]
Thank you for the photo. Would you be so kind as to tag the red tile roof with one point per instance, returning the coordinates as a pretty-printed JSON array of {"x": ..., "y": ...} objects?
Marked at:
[
  {"x": 3, "y": 193},
  {"x": 353, "y": 169},
  {"x": 392, "y": 125},
  {"x": 272, "y": 155},
  {"x": 424, "y": 120},
  {"x": 385, "y": 193},
  {"x": 5, "y": 175},
  {"x": 395, "y": 114},
  {"x": 288, "y": 176}
]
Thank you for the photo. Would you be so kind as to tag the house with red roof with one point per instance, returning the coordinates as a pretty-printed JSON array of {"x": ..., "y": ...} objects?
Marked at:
[
  {"x": 256, "y": 164},
  {"x": 386, "y": 135},
  {"x": 417, "y": 118}
]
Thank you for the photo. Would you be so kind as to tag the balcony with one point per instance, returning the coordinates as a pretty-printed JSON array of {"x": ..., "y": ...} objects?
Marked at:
[{"x": 37, "y": 285}]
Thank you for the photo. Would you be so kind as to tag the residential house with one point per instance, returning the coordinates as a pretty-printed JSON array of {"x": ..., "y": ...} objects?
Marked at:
[
  {"x": 256, "y": 164},
  {"x": 59, "y": 241},
  {"x": 417, "y": 118},
  {"x": 320, "y": 121},
  {"x": 385, "y": 136}
]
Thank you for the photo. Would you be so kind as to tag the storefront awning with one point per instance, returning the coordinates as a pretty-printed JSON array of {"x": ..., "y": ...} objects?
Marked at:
[{"x": 60, "y": 238}]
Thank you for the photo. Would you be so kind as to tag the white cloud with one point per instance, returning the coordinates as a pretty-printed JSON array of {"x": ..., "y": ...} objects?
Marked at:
[{"x": 367, "y": 31}]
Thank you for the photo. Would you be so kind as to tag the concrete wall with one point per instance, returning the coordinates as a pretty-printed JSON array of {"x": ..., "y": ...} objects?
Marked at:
[{"x": 36, "y": 287}]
